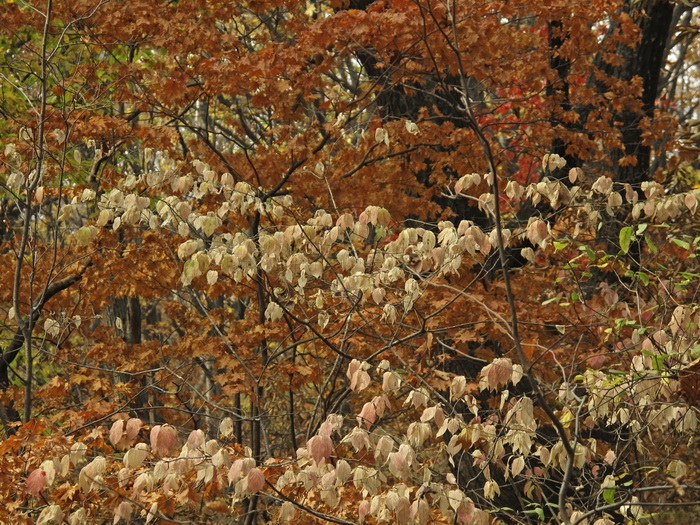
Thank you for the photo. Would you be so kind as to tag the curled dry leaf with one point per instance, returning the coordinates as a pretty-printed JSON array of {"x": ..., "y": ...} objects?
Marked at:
[
  {"x": 359, "y": 439},
  {"x": 412, "y": 128},
  {"x": 77, "y": 452},
  {"x": 234, "y": 473},
  {"x": 420, "y": 511},
  {"x": 359, "y": 378},
  {"x": 491, "y": 489},
  {"x": 384, "y": 447},
  {"x": 226, "y": 427},
  {"x": 552, "y": 161},
  {"x": 381, "y": 135},
  {"x": 287, "y": 511},
  {"x": 135, "y": 457},
  {"x": 52, "y": 327},
  {"x": 123, "y": 477},
  {"x": 390, "y": 382},
  {"x": 529, "y": 255},
  {"x": 458, "y": 387},
  {"x": 211, "y": 447},
  {"x": 143, "y": 483},
  {"x": 274, "y": 311},
  {"x": 538, "y": 232},
  {"x": 603, "y": 185},
  {"x": 328, "y": 480},
  {"x": 91, "y": 474},
  {"x": 496, "y": 374},
  {"x": 221, "y": 458},
  {"x": 152, "y": 513},
  {"x": 517, "y": 466},
  {"x": 342, "y": 471},
  {"x": 39, "y": 195},
  {"x": 50, "y": 514},
  {"x": 575, "y": 174},
  {"x": 418, "y": 433},
  {"x": 49, "y": 466},
  {"x": 79, "y": 517}
]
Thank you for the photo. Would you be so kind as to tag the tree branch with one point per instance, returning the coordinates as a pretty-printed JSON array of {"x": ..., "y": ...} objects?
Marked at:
[{"x": 18, "y": 339}]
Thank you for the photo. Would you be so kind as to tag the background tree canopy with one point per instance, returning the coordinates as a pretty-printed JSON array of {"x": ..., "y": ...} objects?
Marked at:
[{"x": 402, "y": 261}]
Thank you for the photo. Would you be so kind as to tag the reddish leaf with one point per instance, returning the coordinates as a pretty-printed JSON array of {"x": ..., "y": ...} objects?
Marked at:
[
  {"x": 133, "y": 426},
  {"x": 368, "y": 415},
  {"x": 166, "y": 439},
  {"x": 320, "y": 448},
  {"x": 255, "y": 480},
  {"x": 122, "y": 512},
  {"x": 116, "y": 432},
  {"x": 36, "y": 481}
]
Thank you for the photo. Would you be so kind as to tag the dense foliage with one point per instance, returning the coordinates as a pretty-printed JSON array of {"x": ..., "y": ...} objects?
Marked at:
[{"x": 402, "y": 261}]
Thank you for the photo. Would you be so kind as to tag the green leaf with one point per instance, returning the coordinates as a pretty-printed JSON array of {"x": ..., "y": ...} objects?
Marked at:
[
  {"x": 552, "y": 300},
  {"x": 644, "y": 278},
  {"x": 624, "y": 480},
  {"x": 539, "y": 511},
  {"x": 657, "y": 362},
  {"x": 683, "y": 244},
  {"x": 591, "y": 254},
  {"x": 695, "y": 351},
  {"x": 609, "y": 496},
  {"x": 625, "y": 238}
]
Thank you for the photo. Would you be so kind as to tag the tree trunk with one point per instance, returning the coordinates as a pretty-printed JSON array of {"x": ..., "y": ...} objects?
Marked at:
[{"x": 646, "y": 60}]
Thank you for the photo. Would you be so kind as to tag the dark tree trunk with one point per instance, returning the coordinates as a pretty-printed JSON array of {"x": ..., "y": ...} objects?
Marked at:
[
  {"x": 646, "y": 60},
  {"x": 558, "y": 93}
]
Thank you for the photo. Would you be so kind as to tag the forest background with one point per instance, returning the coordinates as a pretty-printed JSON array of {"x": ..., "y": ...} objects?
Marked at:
[{"x": 403, "y": 261}]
